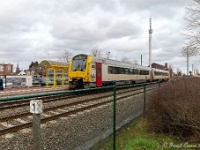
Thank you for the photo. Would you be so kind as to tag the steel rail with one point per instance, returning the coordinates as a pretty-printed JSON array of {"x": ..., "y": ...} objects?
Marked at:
[
  {"x": 53, "y": 117},
  {"x": 59, "y": 106},
  {"x": 10, "y": 98}
]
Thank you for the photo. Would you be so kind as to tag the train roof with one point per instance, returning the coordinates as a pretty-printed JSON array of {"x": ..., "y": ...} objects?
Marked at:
[
  {"x": 119, "y": 63},
  {"x": 124, "y": 64}
]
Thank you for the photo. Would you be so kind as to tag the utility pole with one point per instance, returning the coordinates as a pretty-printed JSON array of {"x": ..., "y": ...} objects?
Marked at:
[
  {"x": 108, "y": 54},
  {"x": 141, "y": 60},
  {"x": 192, "y": 70}
]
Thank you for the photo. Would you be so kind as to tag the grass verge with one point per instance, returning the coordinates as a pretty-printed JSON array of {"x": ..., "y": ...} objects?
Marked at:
[{"x": 136, "y": 137}]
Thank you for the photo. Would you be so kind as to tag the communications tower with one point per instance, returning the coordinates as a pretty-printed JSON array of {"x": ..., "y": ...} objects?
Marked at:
[{"x": 150, "y": 43}]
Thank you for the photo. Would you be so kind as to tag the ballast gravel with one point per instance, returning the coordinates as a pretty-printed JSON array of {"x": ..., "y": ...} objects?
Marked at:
[{"x": 78, "y": 131}]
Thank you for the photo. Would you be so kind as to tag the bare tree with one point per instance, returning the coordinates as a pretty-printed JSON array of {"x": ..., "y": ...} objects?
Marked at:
[
  {"x": 96, "y": 52},
  {"x": 192, "y": 36},
  {"x": 66, "y": 57},
  {"x": 134, "y": 62},
  {"x": 127, "y": 60}
]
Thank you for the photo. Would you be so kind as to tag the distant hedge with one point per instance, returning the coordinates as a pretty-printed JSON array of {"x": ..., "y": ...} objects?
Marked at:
[{"x": 175, "y": 109}]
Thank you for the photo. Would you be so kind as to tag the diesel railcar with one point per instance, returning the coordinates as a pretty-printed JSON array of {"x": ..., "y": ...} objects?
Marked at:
[{"x": 87, "y": 71}]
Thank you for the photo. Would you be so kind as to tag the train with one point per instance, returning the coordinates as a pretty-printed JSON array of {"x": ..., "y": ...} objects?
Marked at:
[{"x": 86, "y": 71}]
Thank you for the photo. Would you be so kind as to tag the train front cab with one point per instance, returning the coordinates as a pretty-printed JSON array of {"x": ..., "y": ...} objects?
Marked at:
[
  {"x": 79, "y": 71},
  {"x": 79, "y": 74}
]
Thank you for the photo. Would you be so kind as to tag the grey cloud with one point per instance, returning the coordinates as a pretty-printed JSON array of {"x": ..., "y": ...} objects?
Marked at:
[
  {"x": 35, "y": 30},
  {"x": 148, "y": 4},
  {"x": 86, "y": 6},
  {"x": 78, "y": 34},
  {"x": 156, "y": 8},
  {"x": 122, "y": 29}
]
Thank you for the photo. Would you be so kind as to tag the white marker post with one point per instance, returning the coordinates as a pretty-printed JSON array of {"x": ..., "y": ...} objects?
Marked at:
[{"x": 36, "y": 107}]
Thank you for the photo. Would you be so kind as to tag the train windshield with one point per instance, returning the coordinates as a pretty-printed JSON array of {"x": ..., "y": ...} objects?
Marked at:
[{"x": 79, "y": 63}]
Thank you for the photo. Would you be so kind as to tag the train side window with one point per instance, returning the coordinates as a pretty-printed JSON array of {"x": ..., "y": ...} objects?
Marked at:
[
  {"x": 143, "y": 72},
  {"x": 157, "y": 73},
  {"x": 136, "y": 71},
  {"x": 126, "y": 71},
  {"x": 98, "y": 71},
  {"x": 121, "y": 70},
  {"x": 93, "y": 66},
  {"x": 116, "y": 70},
  {"x": 131, "y": 71},
  {"x": 110, "y": 69}
]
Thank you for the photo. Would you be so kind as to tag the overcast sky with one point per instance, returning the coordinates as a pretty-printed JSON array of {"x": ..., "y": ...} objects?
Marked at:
[{"x": 35, "y": 30}]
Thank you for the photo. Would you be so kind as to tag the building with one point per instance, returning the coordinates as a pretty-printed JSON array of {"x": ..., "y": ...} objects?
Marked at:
[
  {"x": 6, "y": 69},
  {"x": 36, "y": 72},
  {"x": 17, "y": 69},
  {"x": 158, "y": 66},
  {"x": 21, "y": 73}
]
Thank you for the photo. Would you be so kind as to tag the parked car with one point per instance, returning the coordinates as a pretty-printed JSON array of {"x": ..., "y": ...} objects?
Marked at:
[
  {"x": 59, "y": 82},
  {"x": 49, "y": 81},
  {"x": 37, "y": 81},
  {"x": 66, "y": 81}
]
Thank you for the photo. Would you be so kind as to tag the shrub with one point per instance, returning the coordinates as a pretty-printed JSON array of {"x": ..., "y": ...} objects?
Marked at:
[{"x": 175, "y": 109}]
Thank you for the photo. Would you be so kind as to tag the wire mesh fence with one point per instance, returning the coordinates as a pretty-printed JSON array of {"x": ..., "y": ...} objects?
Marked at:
[{"x": 71, "y": 120}]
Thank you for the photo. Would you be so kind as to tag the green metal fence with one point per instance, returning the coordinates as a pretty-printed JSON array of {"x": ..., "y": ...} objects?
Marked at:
[{"x": 80, "y": 119}]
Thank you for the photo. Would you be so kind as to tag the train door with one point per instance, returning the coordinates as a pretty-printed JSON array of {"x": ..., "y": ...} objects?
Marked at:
[{"x": 98, "y": 74}]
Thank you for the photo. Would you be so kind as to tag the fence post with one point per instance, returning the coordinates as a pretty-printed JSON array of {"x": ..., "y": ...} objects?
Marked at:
[
  {"x": 114, "y": 118},
  {"x": 36, "y": 107},
  {"x": 144, "y": 98}
]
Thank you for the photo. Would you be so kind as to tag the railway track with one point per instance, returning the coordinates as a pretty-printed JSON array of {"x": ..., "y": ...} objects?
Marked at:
[
  {"x": 22, "y": 91},
  {"x": 57, "y": 106}
]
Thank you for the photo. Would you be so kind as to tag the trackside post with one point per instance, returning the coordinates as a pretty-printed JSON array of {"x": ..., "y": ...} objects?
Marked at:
[
  {"x": 114, "y": 118},
  {"x": 144, "y": 98},
  {"x": 36, "y": 107}
]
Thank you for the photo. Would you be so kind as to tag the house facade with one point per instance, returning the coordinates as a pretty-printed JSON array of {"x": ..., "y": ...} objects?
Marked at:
[
  {"x": 6, "y": 69},
  {"x": 36, "y": 72}
]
